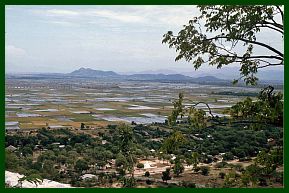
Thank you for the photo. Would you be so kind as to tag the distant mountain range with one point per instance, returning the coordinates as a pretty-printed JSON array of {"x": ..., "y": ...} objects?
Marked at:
[
  {"x": 227, "y": 73},
  {"x": 88, "y": 73}
]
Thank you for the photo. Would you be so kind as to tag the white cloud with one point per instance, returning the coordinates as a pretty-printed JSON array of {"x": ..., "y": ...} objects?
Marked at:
[
  {"x": 13, "y": 51},
  {"x": 91, "y": 13},
  {"x": 63, "y": 23},
  {"x": 120, "y": 16},
  {"x": 61, "y": 12},
  {"x": 149, "y": 15}
]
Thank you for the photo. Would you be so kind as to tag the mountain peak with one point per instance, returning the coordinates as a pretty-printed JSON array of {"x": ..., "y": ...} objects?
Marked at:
[{"x": 88, "y": 72}]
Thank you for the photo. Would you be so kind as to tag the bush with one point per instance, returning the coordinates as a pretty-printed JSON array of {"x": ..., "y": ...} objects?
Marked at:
[
  {"x": 205, "y": 170},
  {"x": 221, "y": 164},
  {"x": 208, "y": 160},
  {"x": 178, "y": 168},
  {"x": 147, "y": 174},
  {"x": 121, "y": 171},
  {"x": 149, "y": 182},
  {"x": 228, "y": 156},
  {"x": 222, "y": 175},
  {"x": 188, "y": 184},
  {"x": 262, "y": 181},
  {"x": 279, "y": 176},
  {"x": 196, "y": 169},
  {"x": 128, "y": 182},
  {"x": 140, "y": 165},
  {"x": 245, "y": 159},
  {"x": 166, "y": 175},
  {"x": 239, "y": 167}
]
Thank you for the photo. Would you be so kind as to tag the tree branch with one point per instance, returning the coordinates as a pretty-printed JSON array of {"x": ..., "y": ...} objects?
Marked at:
[
  {"x": 270, "y": 65},
  {"x": 278, "y": 30},
  {"x": 281, "y": 12},
  {"x": 252, "y": 57},
  {"x": 248, "y": 41},
  {"x": 210, "y": 111},
  {"x": 278, "y": 25}
]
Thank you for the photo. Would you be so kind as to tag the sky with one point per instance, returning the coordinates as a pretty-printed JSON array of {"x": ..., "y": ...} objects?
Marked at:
[{"x": 119, "y": 38}]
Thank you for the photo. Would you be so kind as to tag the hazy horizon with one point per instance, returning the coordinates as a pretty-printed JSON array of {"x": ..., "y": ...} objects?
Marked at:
[{"x": 124, "y": 39}]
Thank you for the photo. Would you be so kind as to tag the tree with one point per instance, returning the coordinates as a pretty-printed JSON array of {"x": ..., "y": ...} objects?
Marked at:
[
  {"x": 82, "y": 126},
  {"x": 251, "y": 174},
  {"x": 195, "y": 159},
  {"x": 269, "y": 161},
  {"x": 147, "y": 174},
  {"x": 140, "y": 165},
  {"x": 177, "y": 110},
  {"x": 61, "y": 159},
  {"x": 101, "y": 164},
  {"x": 26, "y": 151},
  {"x": 178, "y": 167},
  {"x": 189, "y": 161},
  {"x": 121, "y": 161},
  {"x": 205, "y": 170},
  {"x": 228, "y": 156},
  {"x": 128, "y": 182},
  {"x": 228, "y": 34},
  {"x": 166, "y": 175},
  {"x": 222, "y": 175},
  {"x": 267, "y": 109},
  {"x": 173, "y": 142},
  {"x": 81, "y": 165},
  {"x": 125, "y": 144},
  {"x": 48, "y": 169},
  {"x": 11, "y": 160},
  {"x": 197, "y": 118}
]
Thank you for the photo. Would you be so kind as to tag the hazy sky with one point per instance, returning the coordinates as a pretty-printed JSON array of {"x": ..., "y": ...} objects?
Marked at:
[{"x": 119, "y": 38}]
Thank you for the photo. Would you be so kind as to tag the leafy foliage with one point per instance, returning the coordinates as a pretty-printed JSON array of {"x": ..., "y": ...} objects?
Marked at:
[
  {"x": 267, "y": 109},
  {"x": 228, "y": 34},
  {"x": 195, "y": 159},
  {"x": 126, "y": 143},
  {"x": 173, "y": 142},
  {"x": 205, "y": 170},
  {"x": 166, "y": 175},
  {"x": 177, "y": 110},
  {"x": 178, "y": 167},
  {"x": 33, "y": 178}
]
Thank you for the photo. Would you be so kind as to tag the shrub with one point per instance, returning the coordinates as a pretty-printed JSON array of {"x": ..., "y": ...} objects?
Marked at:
[
  {"x": 205, "y": 170},
  {"x": 239, "y": 167},
  {"x": 128, "y": 182},
  {"x": 149, "y": 182},
  {"x": 228, "y": 156},
  {"x": 196, "y": 169},
  {"x": 222, "y": 175},
  {"x": 147, "y": 174},
  {"x": 140, "y": 165},
  {"x": 178, "y": 168},
  {"x": 166, "y": 175},
  {"x": 221, "y": 164},
  {"x": 188, "y": 184}
]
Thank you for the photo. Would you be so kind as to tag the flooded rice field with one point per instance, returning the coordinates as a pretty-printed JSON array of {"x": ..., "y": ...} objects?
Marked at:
[{"x": 103, "y": 101}]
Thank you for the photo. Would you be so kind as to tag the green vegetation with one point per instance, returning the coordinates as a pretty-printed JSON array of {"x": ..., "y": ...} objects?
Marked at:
[
  {"x": 244, "y": 149},
  {"x": 215, "y": 35},
  {"x": 166, "y": 175}
]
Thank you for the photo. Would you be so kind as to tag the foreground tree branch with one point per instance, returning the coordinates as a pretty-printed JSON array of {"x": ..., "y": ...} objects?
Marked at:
[{"x": 226, "y": 31}]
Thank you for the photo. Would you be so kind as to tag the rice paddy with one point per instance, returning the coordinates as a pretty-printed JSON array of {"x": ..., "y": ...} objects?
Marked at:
[{"x": 37, "y": 106}]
